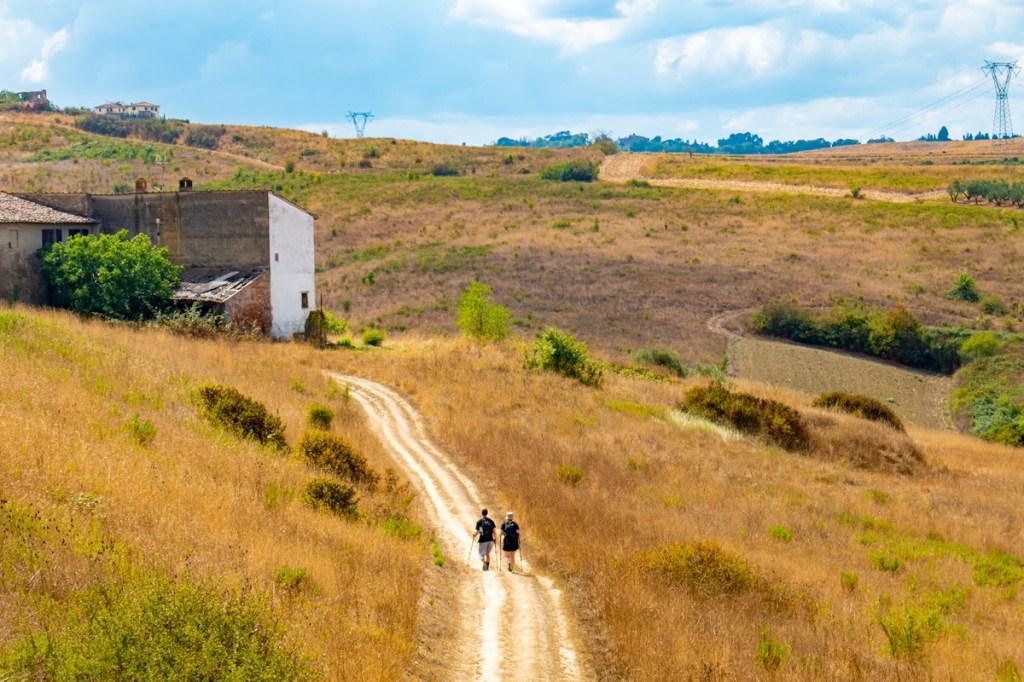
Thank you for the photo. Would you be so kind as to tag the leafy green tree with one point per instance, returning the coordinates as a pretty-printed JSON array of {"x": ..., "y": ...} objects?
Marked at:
[
  {"x": 943, "y": 134},
  {"x": 480, "y": 317},
  {"x": 111, "y": 275}
]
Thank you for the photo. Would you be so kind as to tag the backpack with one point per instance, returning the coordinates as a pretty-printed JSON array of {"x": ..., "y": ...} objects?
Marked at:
[{"x": 511, "y": 530}]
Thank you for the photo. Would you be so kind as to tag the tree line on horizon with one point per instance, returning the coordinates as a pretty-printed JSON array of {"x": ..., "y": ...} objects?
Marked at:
[{"x": 736, "y": 143}]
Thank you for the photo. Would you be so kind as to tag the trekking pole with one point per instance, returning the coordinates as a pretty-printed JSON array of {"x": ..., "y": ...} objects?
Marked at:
[{"x": 472, "y": 539}]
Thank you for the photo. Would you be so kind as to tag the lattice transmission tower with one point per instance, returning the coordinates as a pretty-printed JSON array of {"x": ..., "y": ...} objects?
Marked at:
[
  {"x": 359, "y": 120},
  {"x": 1001, "y": 72}
]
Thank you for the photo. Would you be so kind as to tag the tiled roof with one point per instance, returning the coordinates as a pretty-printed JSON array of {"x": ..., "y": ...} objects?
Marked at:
[
  {"x": 203, "y": 284},
  {"x": 17, "y": 210}
]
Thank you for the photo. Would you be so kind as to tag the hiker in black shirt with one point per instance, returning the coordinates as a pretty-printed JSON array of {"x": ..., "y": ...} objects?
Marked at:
[
  {"x": 485, "y": 530},
  {"x": 510, "y": 540}
]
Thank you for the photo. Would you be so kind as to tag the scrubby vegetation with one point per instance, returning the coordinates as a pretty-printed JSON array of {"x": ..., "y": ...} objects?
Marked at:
[
  {"x": 989, "y": 400},
  {"x": 776, "y": 422},
  {"x": 155, "y": 627},
  {"x": 111, "y": 275},
  {"x": 861, "y": 406},
  {"x": 571, "y": 171},
  {"x": 895, "y": 335},
  {"x": 241, "y": 415},
  {"x": 559, "y": 352},
  {"x": 334, "y": 455},
  {"x": 330, "y": 495}
]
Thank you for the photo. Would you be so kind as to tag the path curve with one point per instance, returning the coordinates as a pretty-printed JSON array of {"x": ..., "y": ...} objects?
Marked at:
[
  {"x": 623, "y": 167},
  {"x": 499, "y": 611}
]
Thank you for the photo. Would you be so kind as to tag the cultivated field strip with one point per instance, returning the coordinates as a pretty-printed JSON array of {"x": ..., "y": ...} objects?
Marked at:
[{"x": 500, "y": 612}]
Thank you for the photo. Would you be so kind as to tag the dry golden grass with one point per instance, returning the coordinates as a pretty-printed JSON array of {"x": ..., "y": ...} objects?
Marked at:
[
  {"x": 196, "y": 500},
  {"x": 648, "y": 483}
]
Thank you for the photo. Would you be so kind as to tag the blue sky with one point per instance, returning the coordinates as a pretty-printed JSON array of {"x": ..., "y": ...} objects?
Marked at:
[{"x": 474, "y": 70}]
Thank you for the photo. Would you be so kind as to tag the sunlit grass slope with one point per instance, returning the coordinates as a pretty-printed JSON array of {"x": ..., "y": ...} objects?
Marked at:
[
  {"x": 113, "y": 485},
  {"x": 697, "y": 553}
]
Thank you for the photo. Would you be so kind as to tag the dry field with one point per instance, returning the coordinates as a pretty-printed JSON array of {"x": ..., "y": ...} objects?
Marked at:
[
  {"x": 838, "y": 546},
  {"x": 834, "y": 565},
  {"x": 195, "y": 501}
]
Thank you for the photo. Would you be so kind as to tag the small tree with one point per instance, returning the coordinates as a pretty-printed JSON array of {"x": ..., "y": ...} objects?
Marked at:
[
  {"x": 111, "y": 275},
  {"x": 480, "y": 317}
]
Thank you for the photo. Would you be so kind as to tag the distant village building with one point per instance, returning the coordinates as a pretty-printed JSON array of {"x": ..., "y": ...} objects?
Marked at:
[
  {"x": 248, "y": 255},
  {"x": 34, "y": 100},
  {"x": 133, "y": 110}
]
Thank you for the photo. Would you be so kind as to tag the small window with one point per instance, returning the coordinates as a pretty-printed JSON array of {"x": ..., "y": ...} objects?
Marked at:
[
  {"x": 75, "y": 232},
  {"x": 305, "y": 300},
  {"x": 277, "y": 257},
  {"x": 52, "y": 236}
]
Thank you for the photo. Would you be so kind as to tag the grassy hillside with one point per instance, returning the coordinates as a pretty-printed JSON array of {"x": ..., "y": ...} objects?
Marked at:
[
  {"x": 698, "y": 553},
  {"x": 868, "y": 554},
  {"x": 114, "y": 489},
  {"x": 687, "y": 548},
  {"x": 626, "y": 267}
]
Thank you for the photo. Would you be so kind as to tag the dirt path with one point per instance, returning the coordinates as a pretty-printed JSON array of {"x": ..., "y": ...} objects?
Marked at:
[
  {"x": 620, "y": 168},
  {"x": 517, "y": 612}
]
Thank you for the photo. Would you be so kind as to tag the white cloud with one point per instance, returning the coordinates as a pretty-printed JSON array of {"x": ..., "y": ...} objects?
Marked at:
[
  {"x": 758, "y": 50},
  {"x": 39, "y": 69},
  {"x": 540, "y": 20}
]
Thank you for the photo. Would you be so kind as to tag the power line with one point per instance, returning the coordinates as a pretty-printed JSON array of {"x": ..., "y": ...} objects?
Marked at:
[
  {"x": 913, "y": 116},
  {"x": 920, "y": 121},
  {"x": 1001, "y": 72}
]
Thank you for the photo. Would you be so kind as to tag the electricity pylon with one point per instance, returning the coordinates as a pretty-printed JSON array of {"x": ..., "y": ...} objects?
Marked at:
[
  {"x": 359, "y": 120},
  {"x": 1001, "y": 72}
]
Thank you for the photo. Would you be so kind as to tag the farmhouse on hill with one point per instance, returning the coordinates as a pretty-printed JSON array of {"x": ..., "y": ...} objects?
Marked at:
[
  {"x": 132, "y": 110},
  {"x": 246, "y": 254}
]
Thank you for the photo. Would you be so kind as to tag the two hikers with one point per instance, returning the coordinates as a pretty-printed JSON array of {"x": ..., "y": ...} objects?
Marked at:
[{"x": 485, "y": 534}]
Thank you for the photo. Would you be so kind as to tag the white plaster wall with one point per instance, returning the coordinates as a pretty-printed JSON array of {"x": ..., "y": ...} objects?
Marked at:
[{"x": 291, "y": 267}]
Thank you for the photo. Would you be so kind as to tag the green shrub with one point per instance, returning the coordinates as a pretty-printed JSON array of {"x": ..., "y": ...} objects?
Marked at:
[
  {"x": 775, "y": 422},
  {"x": 435, "y": 551},
  {"x": 780, "y": 533},
  {"x": 479, "y": 316},
  {"x": 571, "y": 171},
  {"x": 292, "y": 579},
  {"x": 559, "y": 352},
  {"x": 142, "y": 430},
  {"x": 702, "y": 567},
  {"x": 240, "y": 415},
  {"x": 848, "y": 580},
  {"x": 111, "y": 275},
  {"x": 442, "y": 170},
  {"x": 334, "y": 324},
  {"x": 770, "y": 652},
  {"x": 964, "y": 289},
  {"x": 373, "y": 337},
  {"x": 860, "y": 406},
  {"x": 332, "y": 454},
  {"x": 324, "y": 493},
  {"x": 204, "y": 136},
  {"x": 193, "y": 321},
  {"x": 158, "y": 628},
  {"x": 668, "y": 359},
  {"x": 570, "y": 474},
  {"x": 319, "y": 417},
  {"x": 992, "y": 305},
  {"x": 980, "y": 345},
  {"x": 885, "y": 562}
]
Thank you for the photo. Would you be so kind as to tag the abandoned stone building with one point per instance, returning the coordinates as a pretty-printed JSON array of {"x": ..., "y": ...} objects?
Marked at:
[{"x": 246, "y": 254}]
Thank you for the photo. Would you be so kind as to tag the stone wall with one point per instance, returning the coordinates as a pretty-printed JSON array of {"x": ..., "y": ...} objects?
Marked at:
[{"x": 199, "y": 229}]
